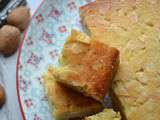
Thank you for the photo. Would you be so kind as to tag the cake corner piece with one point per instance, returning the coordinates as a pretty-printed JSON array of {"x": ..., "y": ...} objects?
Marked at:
[
  {"x": 66, "y": 103},
  {"x": 91, "y": 69}
]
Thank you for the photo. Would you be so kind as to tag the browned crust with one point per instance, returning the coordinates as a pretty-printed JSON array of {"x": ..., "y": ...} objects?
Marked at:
[
  {"x": 97, "y": 16},
  {"x": 104, "y": 76},
  {"x": 94, "y": 71},
  {"x": 102, "y": 7},
  {"x": 94, "y": 7},
  {"x": 68, "y": 103}
]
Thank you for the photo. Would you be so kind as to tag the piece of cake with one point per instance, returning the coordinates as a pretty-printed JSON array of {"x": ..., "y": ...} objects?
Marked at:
[
  {"x": 132, "y": 26},
  {"x": 66, "y": 103},
  {"x": 107, "y": 114},
  {"x": 75, "y": 47},
  {"x": 89, "y": 67}
]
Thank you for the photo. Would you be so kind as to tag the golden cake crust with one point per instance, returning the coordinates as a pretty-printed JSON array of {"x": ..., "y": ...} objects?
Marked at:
[
  {"x": 75, "y": 47},
  {"x": 66, "y": 102},
  {"x": 90, "y": 71}
]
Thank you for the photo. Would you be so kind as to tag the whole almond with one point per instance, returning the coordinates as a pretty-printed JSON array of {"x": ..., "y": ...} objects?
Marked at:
[
  {"x": 19, "y": 17},
  {"x": 9, "y": 39}
]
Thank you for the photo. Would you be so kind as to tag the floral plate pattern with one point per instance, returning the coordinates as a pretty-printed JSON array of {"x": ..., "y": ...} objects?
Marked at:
[{"x": 41, "y": 46}]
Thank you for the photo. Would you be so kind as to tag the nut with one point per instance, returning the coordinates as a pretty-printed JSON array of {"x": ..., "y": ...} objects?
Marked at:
[
  {"x": 2, "y": 96},
  {"x": 19, "y": 17},
  {"x": 9, "y": 39}
]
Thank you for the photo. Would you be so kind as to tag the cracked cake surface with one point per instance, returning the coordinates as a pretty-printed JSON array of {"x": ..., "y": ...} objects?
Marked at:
[{"x": 132, "y": 26}]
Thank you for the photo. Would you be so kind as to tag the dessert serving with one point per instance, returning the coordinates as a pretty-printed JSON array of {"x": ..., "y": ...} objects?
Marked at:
[
  {"x": 77, "y": 87},
  {"x": 67, "y": 103},
  {"x": 89, "y": 67}
]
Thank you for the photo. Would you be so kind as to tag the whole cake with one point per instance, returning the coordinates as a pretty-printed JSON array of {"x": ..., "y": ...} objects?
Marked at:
[{"x": 132, "y": 26}]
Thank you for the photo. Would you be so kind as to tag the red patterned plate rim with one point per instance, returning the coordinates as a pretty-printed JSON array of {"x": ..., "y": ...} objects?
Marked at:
[{"x": 18, "y": 62}]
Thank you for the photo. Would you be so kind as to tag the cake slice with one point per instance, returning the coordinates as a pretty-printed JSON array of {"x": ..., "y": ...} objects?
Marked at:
[
  {"x": 107, "y": 114},
  {"x": 65, "y": 103},
  {"x": 75, "y": 47},
  {"x": 89, "y": 66},
  {"x": 132, "y": 26}
]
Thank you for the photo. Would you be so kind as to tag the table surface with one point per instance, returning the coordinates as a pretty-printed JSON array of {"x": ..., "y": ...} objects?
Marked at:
[{"x": 11, "y": 110}]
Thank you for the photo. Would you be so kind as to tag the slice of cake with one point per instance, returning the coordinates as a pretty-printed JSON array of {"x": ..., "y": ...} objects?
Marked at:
[
  {"x": 107, "y": 114},
  {"x": 89, "y": 66},
  {"x": 65, "y": 103},
  {"x": 132, "y": 26},
  {"x": 75, "y": 47}
]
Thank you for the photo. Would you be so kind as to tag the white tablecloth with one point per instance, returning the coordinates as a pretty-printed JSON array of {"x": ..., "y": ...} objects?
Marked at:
[{"x": 10, "y": 110}]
